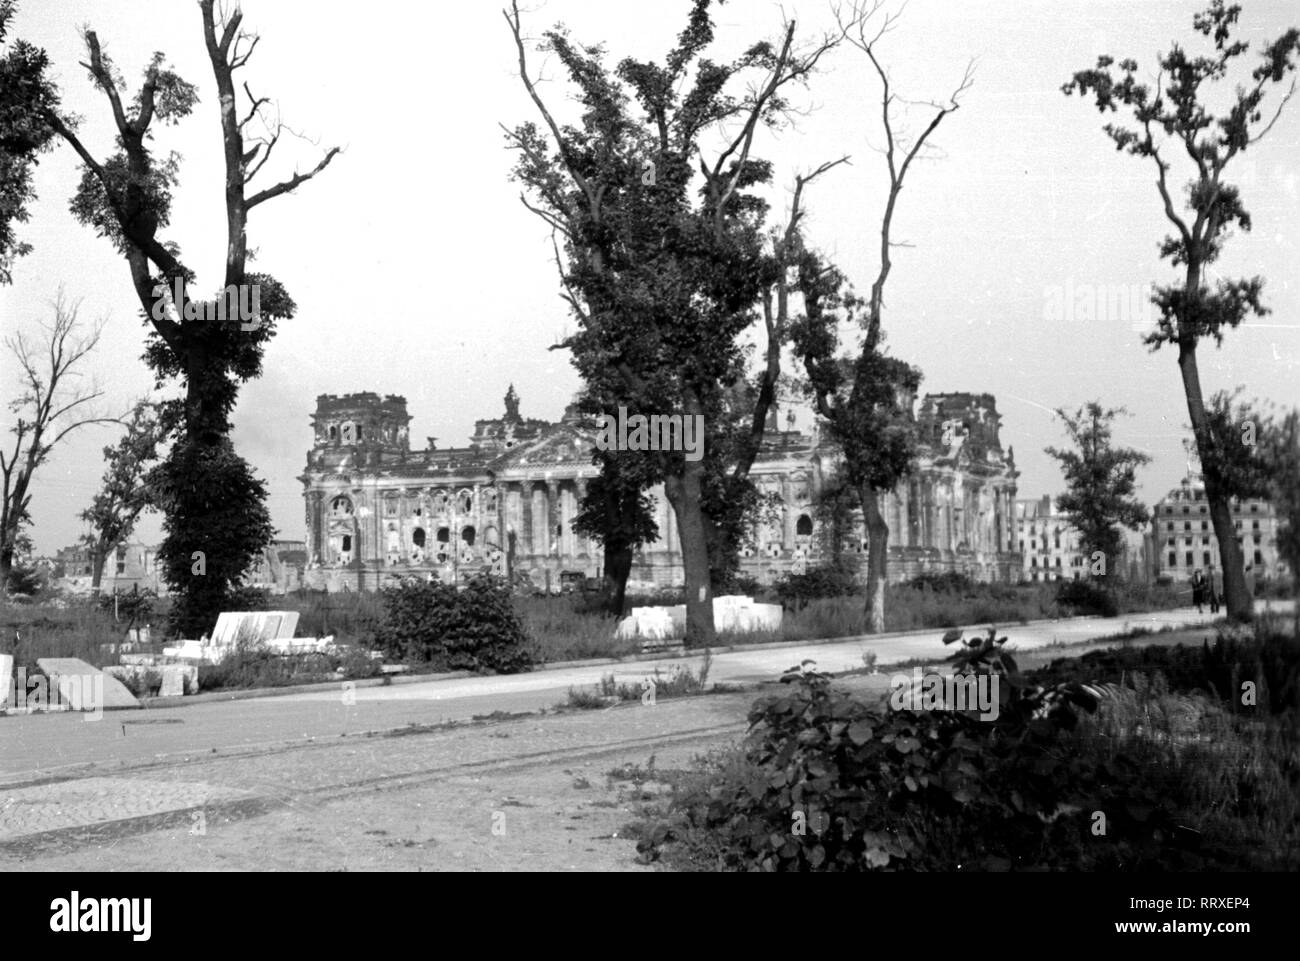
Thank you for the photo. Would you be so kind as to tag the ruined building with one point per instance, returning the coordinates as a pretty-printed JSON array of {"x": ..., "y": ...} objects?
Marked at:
[{"x": 375, "y": 508}]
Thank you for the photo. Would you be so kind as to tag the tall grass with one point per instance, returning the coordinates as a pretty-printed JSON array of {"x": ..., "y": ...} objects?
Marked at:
[{"x": 59, "y": 628}]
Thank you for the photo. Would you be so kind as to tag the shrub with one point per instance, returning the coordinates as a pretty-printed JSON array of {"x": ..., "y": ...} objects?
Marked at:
[
  {"x": 472, "y": 628},
  {"x": 136, "y": 606},
  {"x": 1085, "y": 596},
  {"x": 827, "y": 580}
]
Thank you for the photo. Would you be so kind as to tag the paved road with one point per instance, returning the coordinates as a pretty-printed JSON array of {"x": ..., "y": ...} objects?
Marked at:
[{"x": 33, "y": 747}]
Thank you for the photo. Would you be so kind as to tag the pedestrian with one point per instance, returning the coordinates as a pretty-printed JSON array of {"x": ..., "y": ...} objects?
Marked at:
[
  {"x": 1212, "y": 586},
  {"x": 1198, "y": 589}
]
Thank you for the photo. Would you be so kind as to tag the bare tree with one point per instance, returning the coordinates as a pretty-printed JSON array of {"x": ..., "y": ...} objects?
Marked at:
[
  {"x": 51, "y": 404},
  {"x": 862, "y": 396}
]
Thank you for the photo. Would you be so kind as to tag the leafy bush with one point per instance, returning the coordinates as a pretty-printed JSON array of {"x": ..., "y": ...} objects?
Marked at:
[
  {"x": 1270, "y": 659},
  {"x": 473, "y": 628},
  {"x": 1085, "y": 596},
  {"x": 826, "y": 580},
  {"x": 136, "y": 606},
  {"x": 833, "y": 783}
]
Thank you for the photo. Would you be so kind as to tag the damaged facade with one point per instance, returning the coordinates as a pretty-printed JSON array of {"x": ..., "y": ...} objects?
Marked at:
[{"x": 376, "y": 509}]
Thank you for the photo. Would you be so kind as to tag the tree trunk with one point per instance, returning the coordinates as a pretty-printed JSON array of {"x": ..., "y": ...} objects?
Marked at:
[
  {"x": 684, "y": 495},
  {"x": 1239, "y": 605},
  {"x": 6, "y": 568},
  {"x": 98, "y": 558},
  {"x": 877, "y": 559},
  {"x": 618, "y": 568}
]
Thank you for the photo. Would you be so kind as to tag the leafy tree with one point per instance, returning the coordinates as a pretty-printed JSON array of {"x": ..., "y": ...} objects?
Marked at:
[
  {"x": 127, "y": 198},
  {"x": 1174, "y": 116},
  {"x": 1100, "y": 479},
  {"x": 123, "y": 494},
  {"x": 49, "y": 406},
  {"x": 866, "y": 395},
  {"x": 666, "y": 257},
  {"x": 26, "y": 96},
  {"x": 617, "y": 512},
  {"x": 1256, "y": 453}
]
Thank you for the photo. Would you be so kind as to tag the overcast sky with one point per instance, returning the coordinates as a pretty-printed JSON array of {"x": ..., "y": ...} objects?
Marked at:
[{"x": 417, "y": 271}]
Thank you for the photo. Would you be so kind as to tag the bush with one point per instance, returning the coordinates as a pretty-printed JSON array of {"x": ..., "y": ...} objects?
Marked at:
[
  {"x": 836, "y": 579},
  {"x": 472, "y": 628},
  {"x": 136, "y": 606},
  {"x": 832, "y": 783},
  {"x": 1086, "y": 597}
]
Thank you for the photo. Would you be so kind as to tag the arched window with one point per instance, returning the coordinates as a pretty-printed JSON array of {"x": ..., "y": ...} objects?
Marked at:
[
  {"x": 465, "y": 502},
  {"x": 467, "y": 536},
  {"x": 347, "y": 542},
  {"x": 348, "y": 433},
  {"x": 803, "y": 526},
  {"x": 358, "y": 433},
  {"x": 417, "y": 537},
  {"x": 444, "y": 535},
  {"x": 334, "y": 432},
  {"x": 341, "y": 507}
]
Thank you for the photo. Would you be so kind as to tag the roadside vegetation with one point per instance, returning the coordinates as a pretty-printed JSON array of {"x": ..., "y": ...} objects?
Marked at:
[{"x": 1136, "y": 759}]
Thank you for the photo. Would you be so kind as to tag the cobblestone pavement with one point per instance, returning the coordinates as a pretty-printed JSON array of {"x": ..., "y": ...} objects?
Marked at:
[
  {"x": 531, "y": 793},
  {"x": 68, "y": 804}
]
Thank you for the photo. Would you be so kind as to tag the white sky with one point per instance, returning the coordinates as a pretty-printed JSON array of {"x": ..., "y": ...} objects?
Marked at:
[{"x": 417, "y": 272}]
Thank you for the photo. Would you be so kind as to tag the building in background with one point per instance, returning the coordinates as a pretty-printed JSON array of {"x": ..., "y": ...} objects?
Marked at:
[
  {"x": 1185, "y": 541},
  {"x": 1052, "y": 550},
  {"x": 1047, "y": 542},
  {"x": 376, "y": 510}
]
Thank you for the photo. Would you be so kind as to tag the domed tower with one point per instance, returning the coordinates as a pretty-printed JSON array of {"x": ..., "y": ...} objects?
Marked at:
[{"x": 362, "y": 424}]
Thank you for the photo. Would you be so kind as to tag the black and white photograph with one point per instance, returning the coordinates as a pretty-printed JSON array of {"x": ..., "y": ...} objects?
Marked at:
[{"x": 586, "y": 437}]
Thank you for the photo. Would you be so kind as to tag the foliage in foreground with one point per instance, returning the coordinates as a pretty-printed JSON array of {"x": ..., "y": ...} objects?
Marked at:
[{"x": 1157, "y": 780}]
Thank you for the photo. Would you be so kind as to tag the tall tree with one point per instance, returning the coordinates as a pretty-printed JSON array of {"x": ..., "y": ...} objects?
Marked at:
[
  {"x": 1174, "y": 116},
  {"x": 123, "y": 494},
  {"x": 666, "y": 260},
  {"x": 866, "y": 396},
  {"x": 1100, "y": 479},
  {"x": 215, "y": 515},
  {"x": 50, "y": 405},
  {"x": 27, "y": 95}
]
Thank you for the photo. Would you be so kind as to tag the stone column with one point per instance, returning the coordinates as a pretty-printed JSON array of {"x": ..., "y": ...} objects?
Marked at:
[
  {"x": 553, "y": 517},
  {"x": 788, "y": 517},
  {"x": 585, "y": 546}
]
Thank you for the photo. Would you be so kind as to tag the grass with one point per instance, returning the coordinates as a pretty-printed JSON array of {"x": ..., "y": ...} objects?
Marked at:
[{"x": 678, "y": 681}]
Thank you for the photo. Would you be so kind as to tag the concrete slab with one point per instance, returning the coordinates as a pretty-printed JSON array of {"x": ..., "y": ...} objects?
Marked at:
[{"x": 78, "y": 687}]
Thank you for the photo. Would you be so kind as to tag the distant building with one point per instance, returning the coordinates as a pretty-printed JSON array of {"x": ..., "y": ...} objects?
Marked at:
[
  {"x": 279, "y": 567},
  {"x": 1049, "y": 544},
  {"x": 133, "y": 565},
  {"x": 1185, "y": 539},
  {"x": 378, "y": 510},
  {"x": 1053, "y": 551}
]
